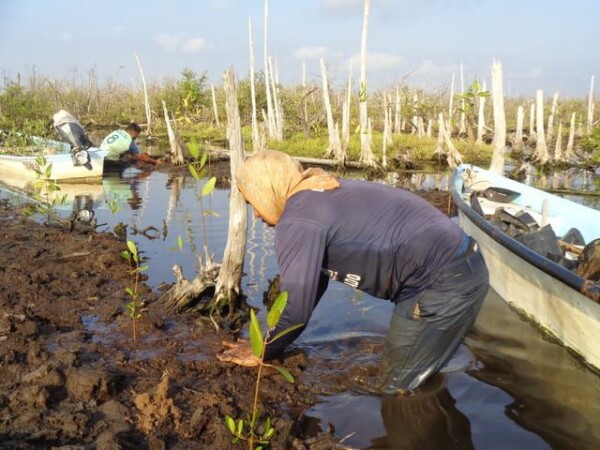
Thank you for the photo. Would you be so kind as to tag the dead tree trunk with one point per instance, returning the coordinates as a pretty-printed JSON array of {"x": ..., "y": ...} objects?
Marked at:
[
  {"x": 558, "y": 154},
  {"x": 550, "y": 130},
  {"x": 499, "y": 140},
  {"x": 481, "y": 117},
  {"x": 569, "y": 152},
  {"x": 176, "y": 148},
  {"x": 146, "y": 101},
  {"x": 366, "y": 153},
  {"x": 541, "y": 150},
  {"x": 590, "y": 111},
  {"x": 255, "y": 136},
  {"x": 214, "y": 105},
  {"x": 518, "y": 143},
  {"x": 346, "y": 114},
  {"x": 227, "y": 290},
  {"x": 217, "y": 287},
  {"x": 334, "y": 149}
]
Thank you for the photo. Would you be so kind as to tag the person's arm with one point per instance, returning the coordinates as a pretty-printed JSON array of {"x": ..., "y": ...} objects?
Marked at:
[
  {"x": 300, "y": 248},
  {"x": 133, "y": 148}
]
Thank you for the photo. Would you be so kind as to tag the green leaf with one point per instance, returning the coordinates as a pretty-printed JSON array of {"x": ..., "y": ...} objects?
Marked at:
[
  {"x": 194, "y": 172},
  {"x": 141, "y": 269},
  {"x": 277, "y": 309},
  {"x": 269, "y": 433},
  {"x": 194, "y": 148},
  {"x": 240, "y": 427},
  {"x": 132, "y": 248},
  {"x": 284, "y": 372},
  {"x": 286, "y": 331},
  {"x": 129, "y": 291},
  {"x": 180, "y": 242},
  {"x": 209, "y": 186},
  {"x": 256, "y": 336},
  {"x": 230, "y": 424},
  {"x": 126, "y": 255},
  {"x": 203, "y": 159}
]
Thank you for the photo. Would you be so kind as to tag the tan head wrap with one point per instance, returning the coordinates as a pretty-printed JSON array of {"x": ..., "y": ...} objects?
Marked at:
[{"x": 269, "y": 178}]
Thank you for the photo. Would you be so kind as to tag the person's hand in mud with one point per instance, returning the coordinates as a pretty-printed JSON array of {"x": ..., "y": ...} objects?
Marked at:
[{"x": 239, "y": 353}]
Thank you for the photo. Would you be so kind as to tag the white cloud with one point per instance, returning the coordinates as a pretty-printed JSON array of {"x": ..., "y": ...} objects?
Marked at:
[
  {"x": 377, "y": 61},
  {"x": 343, "y": 7},
  {"x": 66, "y": 37},
  {"x": 429, "y": 69},
  {"x": 178, "y": 43},
  {"x": 194, "y": 45},
  {"x": 306, "y": 53},
  {"x": 534, "y": 72}
]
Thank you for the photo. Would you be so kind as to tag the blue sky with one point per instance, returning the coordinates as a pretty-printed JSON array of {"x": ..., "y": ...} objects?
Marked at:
[{"x": 550, "y": 45}]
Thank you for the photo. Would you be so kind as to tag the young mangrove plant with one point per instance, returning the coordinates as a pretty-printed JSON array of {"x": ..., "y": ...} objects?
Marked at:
[
  {"x": 134, "y": 305},
  {"x": 247, "y": 430},
  {"x": 44, "y": 189},
  {"x": 198, "y": 170}
]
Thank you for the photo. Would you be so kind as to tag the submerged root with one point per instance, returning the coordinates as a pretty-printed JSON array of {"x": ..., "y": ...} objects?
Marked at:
[
  {"x": 198, "y": 295},
  {"x": 185, "y": 294}
]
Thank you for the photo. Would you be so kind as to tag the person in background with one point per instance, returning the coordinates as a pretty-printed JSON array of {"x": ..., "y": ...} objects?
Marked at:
[
  {"x": 122, "y": 146},
  {"x": 387, "y": 242}
]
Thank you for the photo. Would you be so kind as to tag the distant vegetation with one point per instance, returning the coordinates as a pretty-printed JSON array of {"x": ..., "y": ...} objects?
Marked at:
[{"x": 28, "y": 105}]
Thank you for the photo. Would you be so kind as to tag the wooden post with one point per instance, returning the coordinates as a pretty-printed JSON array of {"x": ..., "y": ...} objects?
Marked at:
[
  {"x": 550, "y": 130},
  {"x": 176, "y": 148},
  {"x": 346, "y": 113},
  {"x": 228, "y": 283},
  {"x": 439, "y": 146},
  {"x": 518, "y": 143},
  {"x": 255, "y": 136},
  {"x": 304, "y": 96},
  {"x": 270, "y": 119},
  {"x": 146, "y": 100},
  {"x": 462, "y": 127},
  {"x": 333, "y": 140},
  {"x": 541, "y": 150},
  {"x": 499, "y": 140},
  {"x": 481, "y": 117},
  {"x": 571, "y": 140},
  {"x": 558, "y": 155},
  {"x": 366, "y": 154},
  {"x": 451, "y": 105},
  {"x": 214, "y": 104},
  {"x": 590, "y": 111},
  {"x": 532, "y": 120},
  {"x": 277, "y": 119},
  {"x": 397, "y": 111}
]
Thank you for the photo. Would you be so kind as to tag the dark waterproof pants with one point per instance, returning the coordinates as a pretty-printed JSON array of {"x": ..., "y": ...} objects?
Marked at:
[{"x": 422, "y": 339}]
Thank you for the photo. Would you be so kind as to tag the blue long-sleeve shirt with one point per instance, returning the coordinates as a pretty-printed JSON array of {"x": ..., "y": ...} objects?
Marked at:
[{"x": 384, "y": 241}]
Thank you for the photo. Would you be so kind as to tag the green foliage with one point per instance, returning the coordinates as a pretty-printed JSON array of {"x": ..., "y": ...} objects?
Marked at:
[
  {"x": 113, "y": 204},
  {"x": 134, "y": 305},
  {"x": 591, "y": 144},
  {"x": 246, "y": 430},
  {"x": 44, "y": 189}
]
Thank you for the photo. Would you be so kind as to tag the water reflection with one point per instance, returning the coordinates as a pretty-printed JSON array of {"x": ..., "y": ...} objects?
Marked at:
[{"x": 522, "y": 392}]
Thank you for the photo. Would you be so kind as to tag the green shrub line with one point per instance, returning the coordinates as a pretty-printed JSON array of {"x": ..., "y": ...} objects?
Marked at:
[{"x": 27, "y": 107}]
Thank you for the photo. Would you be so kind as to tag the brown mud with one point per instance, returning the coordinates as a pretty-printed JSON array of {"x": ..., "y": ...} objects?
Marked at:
[{"x": 64, "y": 384}]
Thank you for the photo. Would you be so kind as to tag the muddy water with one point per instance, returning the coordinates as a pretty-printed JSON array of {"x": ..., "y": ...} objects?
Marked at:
[{"x": 510, "y": 388}]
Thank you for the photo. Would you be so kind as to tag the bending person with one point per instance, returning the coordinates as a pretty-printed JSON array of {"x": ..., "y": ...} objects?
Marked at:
[
  {"x": 387, "y": 242},
  {"x": 122, "y": 146}
]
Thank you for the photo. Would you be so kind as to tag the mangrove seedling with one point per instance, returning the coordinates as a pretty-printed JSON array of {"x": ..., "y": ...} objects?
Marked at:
[
  {"x": 134, "y": 305},
  {"x": 246, "y": 430},
  {"x": 43, "y": 190}
]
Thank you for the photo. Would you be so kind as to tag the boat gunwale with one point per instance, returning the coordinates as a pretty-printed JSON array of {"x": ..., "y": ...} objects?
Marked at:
[{"x": 542, "y": 263}]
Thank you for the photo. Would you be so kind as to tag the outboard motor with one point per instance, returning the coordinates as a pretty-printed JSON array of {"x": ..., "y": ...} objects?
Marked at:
[{"x": 72, "y": 132}]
